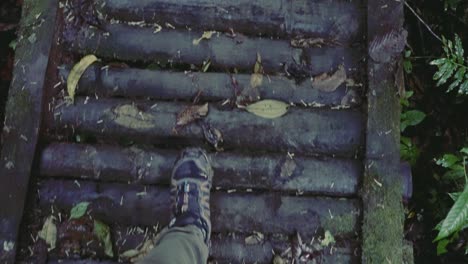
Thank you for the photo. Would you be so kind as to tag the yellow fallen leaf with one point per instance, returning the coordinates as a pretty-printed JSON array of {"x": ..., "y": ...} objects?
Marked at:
[
  {"x": 49, "y": 232},
  {"x": 206, "y": 35},
  {"x": 77, "y": 72},
  {"x": 256, "y": 80},
  {"x": 268, "y": 108}
]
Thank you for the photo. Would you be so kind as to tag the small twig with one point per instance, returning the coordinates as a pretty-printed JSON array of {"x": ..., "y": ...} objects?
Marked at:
[{"x": 422, "y": 21}]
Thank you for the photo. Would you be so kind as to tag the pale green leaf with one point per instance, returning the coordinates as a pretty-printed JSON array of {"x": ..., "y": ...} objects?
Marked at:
[
  {"x": 49, "y": 233},
  {"x": 102, "y": 232},
  {"x": 447, "y": 160},
  {"x": 411, "y": 118},
  {"x": 438, "y": 61},
  {"x": 76, "y": 73},
  {"x": 79, "y": 210},
  {"x": 328, "y": 239},
  {"x": 268, "y": 108}
]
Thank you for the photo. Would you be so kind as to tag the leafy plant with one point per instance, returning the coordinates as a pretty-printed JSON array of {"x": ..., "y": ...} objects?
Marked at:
[
  {"x": 457, "y": 217},
  {"x": 452, "y": 4},
  {"x": 409, "y": 151},
  {"x": 407, "y": 64},
  {"x": 452, "y": 66}
]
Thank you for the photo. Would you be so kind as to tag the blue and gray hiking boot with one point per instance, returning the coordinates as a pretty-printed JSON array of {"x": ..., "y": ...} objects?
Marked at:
[{"x": 190, "y": 191}]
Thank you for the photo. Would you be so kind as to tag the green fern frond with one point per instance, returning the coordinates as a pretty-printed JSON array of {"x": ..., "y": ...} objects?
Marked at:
[{"x": 452, "y": 67}]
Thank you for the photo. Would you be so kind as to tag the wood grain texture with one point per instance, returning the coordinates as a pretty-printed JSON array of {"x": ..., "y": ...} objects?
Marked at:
[
  {"x": 133, "y": 43},
  {"x": 303, "y": 131},
  {"x": 23, "y": 118},
  {"x": 167, "y": 85},
  {"x": 340, "y": 19},
  {"x": 268, "y": 213},
  {"x": 326, "y": 176}
]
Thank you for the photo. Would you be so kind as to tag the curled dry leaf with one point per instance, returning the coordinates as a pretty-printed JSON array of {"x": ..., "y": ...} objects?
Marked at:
[
  {"x": 329, "y": 83},
  {"x": 213, "y": 136},
  {"x": 191, "y": 113},
  {"x": 256, "y": 78},
  {"x": 206, "y": 35},
  {"x": 307, "y": 42},
  {"x": 49, "y": 233},
  {"x": 350, "y": 99},
  {"x": 76, "y": 73},
  {"x": 255, "y": 238},
  {"x": 288, "y": 167},
  {"x": 137, "y": 254},
  {"x": 268, "y": 108}
]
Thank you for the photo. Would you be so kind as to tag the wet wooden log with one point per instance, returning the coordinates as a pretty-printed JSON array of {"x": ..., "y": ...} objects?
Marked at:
[
  {"x": 343, "y": 20},
  {"x": 22, "y": 121},
  {"x": 133, "y": 43},
  {"x": 231, "y": 212},
  {"x": 134, "y": 83},
  {"x": 326, "y": 176},
  {"x": 232, "y": 248},
  {"x": 304, "y": 131}
]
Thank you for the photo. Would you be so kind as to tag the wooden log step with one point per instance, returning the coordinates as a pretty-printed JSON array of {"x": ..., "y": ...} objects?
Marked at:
[
  {"x": 132, "y": 82},
  {"x": 133, "y": 43},
  {"x": 226, "y": 250},
  {"x": 343, "y": 20},
  {"x": 300, "y": 130},
  {"x": 231, "y": 212},
  {"x": 232, "y": 248},
  {"x": 326, "y": 176}
]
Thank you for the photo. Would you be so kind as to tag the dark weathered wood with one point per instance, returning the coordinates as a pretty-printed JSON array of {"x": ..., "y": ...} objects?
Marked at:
[
  {"x": 132, "y": 82},
  {"x": 340, "y": 19},
  {"x": 22, "y": 118},
  {"x": 233, "y": 171},
  {"x": 233, "y": 249},
  {"x": 141, "y": 44},
  {"x": 383, "y": 211},
  {"x": 300, "y": 130},
  {"x": 231, "y": 212}
]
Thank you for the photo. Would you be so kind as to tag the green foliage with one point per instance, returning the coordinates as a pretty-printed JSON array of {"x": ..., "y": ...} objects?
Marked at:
[
  {"x": 409, "y": 151},
  {"x": 452, "y": 66},
  {"x": 457, "y": 217},
  {"x": 79, "y": 210},
  {"x": 407, "y": 64},
  {"x": 411, "y": 118},
  {"x": 452, "y": 4},
  {"x": 102, "y": 232}
]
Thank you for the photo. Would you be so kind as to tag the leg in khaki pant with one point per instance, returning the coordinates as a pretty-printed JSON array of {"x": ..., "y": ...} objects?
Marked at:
[
  {"x": 179, "y": 245},
  {"x": 186, "y": 239}
]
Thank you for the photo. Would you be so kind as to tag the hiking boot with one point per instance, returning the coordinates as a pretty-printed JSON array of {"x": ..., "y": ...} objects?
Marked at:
[{"x": 190, "y": 191}]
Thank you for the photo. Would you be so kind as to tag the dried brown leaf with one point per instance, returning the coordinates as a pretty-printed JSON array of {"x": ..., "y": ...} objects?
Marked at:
[
  {"x": 255, "y": 238},
  {"x": 191, "y": 113},
  {"x": 307, "y": 42},
  {"x": 329, "y": 83},
  {"x": 206, "y": 35},
  {"x": 213, "y": 136},
  {"x": 288, "y": 167}
]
